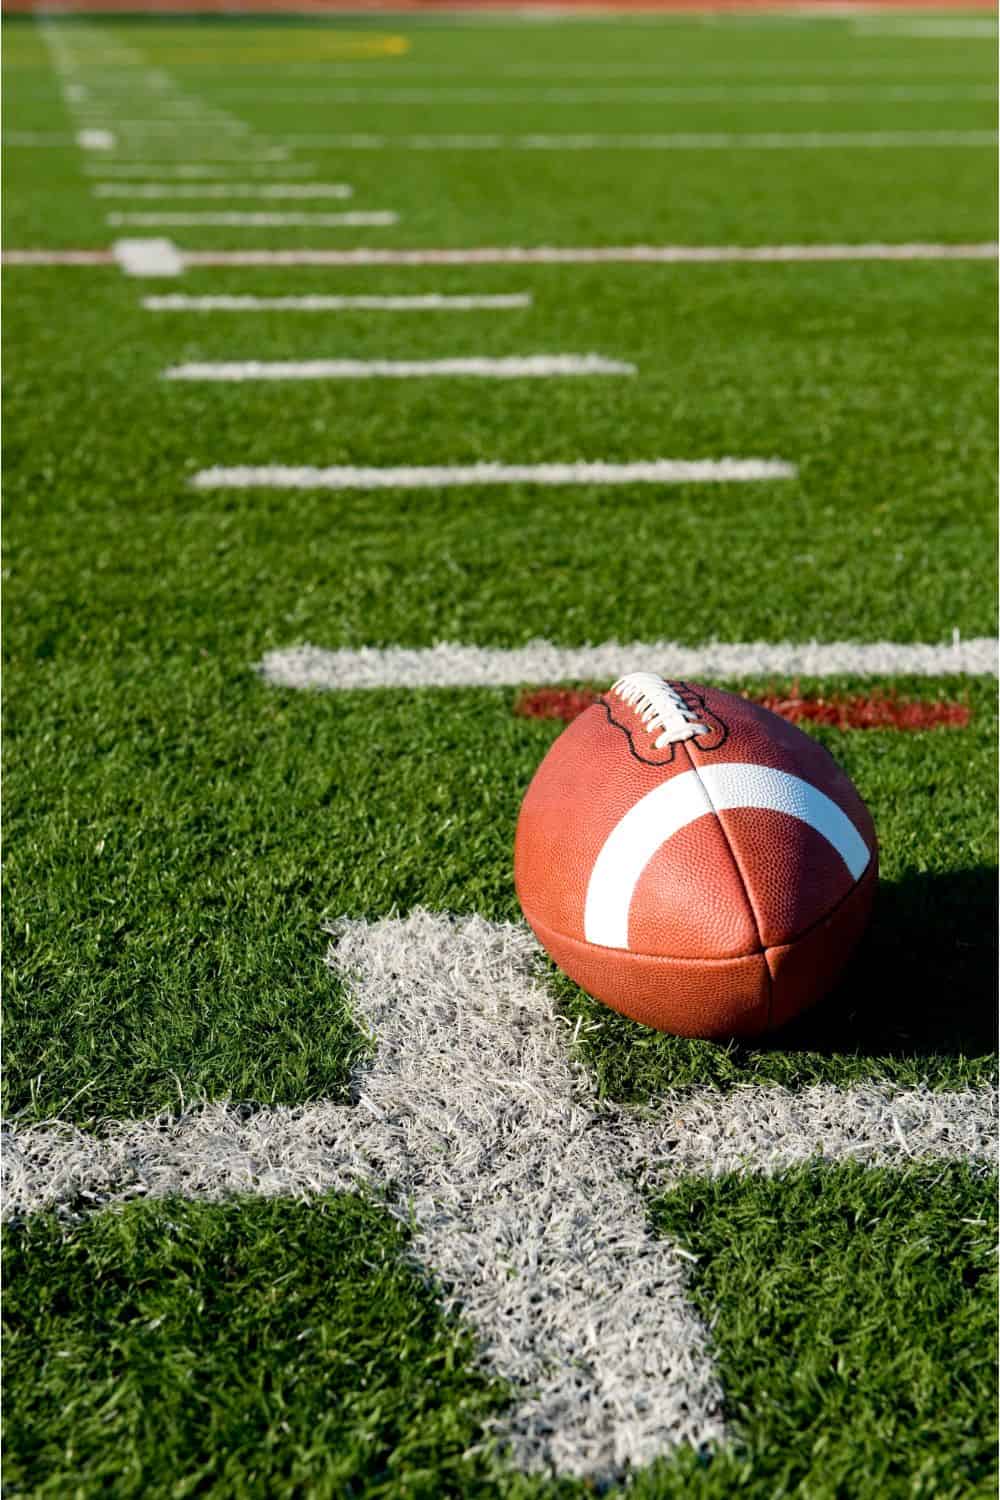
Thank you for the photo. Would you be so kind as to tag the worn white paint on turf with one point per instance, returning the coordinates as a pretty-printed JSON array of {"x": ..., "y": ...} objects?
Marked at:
[
  {"x": 654, "y": 471},
  {"x": 320, "y": 302},
  {"x": 96, "y": 140},
  {"x": 889, "y": 93},
  {"x": 772, "y": 140},
  {"x": 524, "y": 1192},
  {"x": 453, "y": 665},
  {"x": 185, "y": 171},
  {"x": 147, "y": 257},
  {"x": 512, "y": 367},
  {"x": 262, "y": 190},
  {"x": 549, "y": 255},
  {"x": 253, "y": 220},
  {"x": 566, "y": 255}
]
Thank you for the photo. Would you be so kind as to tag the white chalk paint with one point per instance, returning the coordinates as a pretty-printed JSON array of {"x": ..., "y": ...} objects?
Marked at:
[
  {"x": 318, "y": 302},
  {"x": 224, "y": 220},
  {"x": 96, "y": 140},
  {"x": 185, "y": 171},
  {"x": 523, "y": 367},
  {"x": 523, "y": 1192},
  {"x": 655, "y": 471},
  {"x": 147, "y": 257},
  {"x": 796, "y": 140},
  {"x": 255, "y": 221},
  {"x": 262, "y": 190},
  {"x": 559, "y": 255},
  {"x": 452, "y": 665}
]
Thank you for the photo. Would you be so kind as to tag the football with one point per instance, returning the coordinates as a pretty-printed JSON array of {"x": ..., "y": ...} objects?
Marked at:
[{"x": 693, "y": 860}]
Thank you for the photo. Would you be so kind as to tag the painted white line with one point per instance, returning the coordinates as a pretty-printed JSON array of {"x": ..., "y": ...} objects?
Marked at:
[
  {"x": 813, "y": 140},
  {"x": 57, "y": 258},
  {"x": 874, "y": 93},
  {"x": 195, "y": 170},
  {"x": 934, "y": 29},
  {"x": 147, "y": 257},
  {"x": 214, "y": 156},
  {"x": 254, "y": 220},
  {"x": 222, "y": 190},
  {"x": 317, "y": 302},
  {"x": 53, "y": 138},
  {"x": 524, "y": 1192},
  {"x": 543, "y": 255},
  {"x": 451, "y": 665},
  {"x": 556, "y": 255},
  {"x": 658, "y": 471},
  {"x": 95, "y": 140},
  {"x": 521, "y": 367}
]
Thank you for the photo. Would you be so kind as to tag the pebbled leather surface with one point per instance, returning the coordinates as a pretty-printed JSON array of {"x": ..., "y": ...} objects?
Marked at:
[{"x": 718, "y": 913}]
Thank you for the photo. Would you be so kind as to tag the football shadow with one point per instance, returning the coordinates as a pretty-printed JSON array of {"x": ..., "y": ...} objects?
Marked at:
[{"x": 923, "y": 980}]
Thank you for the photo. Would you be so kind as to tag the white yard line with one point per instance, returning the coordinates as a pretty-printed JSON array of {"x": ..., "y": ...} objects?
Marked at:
[
  {"x": 812, "y": 140},
  {"x": 453, "y": 665},
  {"x": 254, "y": 220},
  {"x": 657, "y": 471},
  {"x": 318, "y": 302},
  {"x": 195, "y": 170},
  {"x": 212, "y": 157},
  {"x": 222, "y": 190},
  {"x": 57, "y": 258},
  {"x": 545, "y": 255},
  {"x": 523, "y": 1192},
  {"x": 555, "y": 255},
  {"x": 679, "y": 94},
  {"x": 515, "y": 367}
]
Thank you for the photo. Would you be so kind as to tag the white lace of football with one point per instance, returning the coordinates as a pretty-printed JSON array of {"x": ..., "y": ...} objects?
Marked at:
[{"x": 661, "y": 709}]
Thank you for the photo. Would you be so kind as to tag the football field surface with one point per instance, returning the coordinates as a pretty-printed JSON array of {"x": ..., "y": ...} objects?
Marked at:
[{"x": 377, "y": 389}]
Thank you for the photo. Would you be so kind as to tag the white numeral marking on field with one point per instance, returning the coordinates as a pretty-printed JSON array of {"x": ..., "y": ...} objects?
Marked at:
[
  {"x": 452, "y": 665},
  {"x": 223, "y": 190},
  {"x": 319, "y": 302},
  {"x": 656, "y": 471},
  {"x": 525, "y": 367},
  {"x": 523, "y": 1191},
  {"x": 252, "y": 220}
]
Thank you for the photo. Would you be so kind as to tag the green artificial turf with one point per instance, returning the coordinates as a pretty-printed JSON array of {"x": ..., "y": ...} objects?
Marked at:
[
  {"x": 168, "y": 881},
  {"x": 177, "y": 830},
  {"x": 274, "y": 1349}
]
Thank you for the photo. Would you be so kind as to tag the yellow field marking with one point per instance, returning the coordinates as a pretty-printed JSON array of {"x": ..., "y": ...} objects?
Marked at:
[{"x": 336, "y": 46}]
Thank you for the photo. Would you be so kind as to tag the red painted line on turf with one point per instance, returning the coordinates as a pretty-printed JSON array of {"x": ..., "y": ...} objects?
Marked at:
[{"x": 876, "y": 711}]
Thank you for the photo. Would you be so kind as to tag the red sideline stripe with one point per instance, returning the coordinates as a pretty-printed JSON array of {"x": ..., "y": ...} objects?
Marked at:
[{"x": 878, "y": 711}]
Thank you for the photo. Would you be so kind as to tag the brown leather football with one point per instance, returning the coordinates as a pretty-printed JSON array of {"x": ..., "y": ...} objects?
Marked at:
[{"x": 693, "y": 860}]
